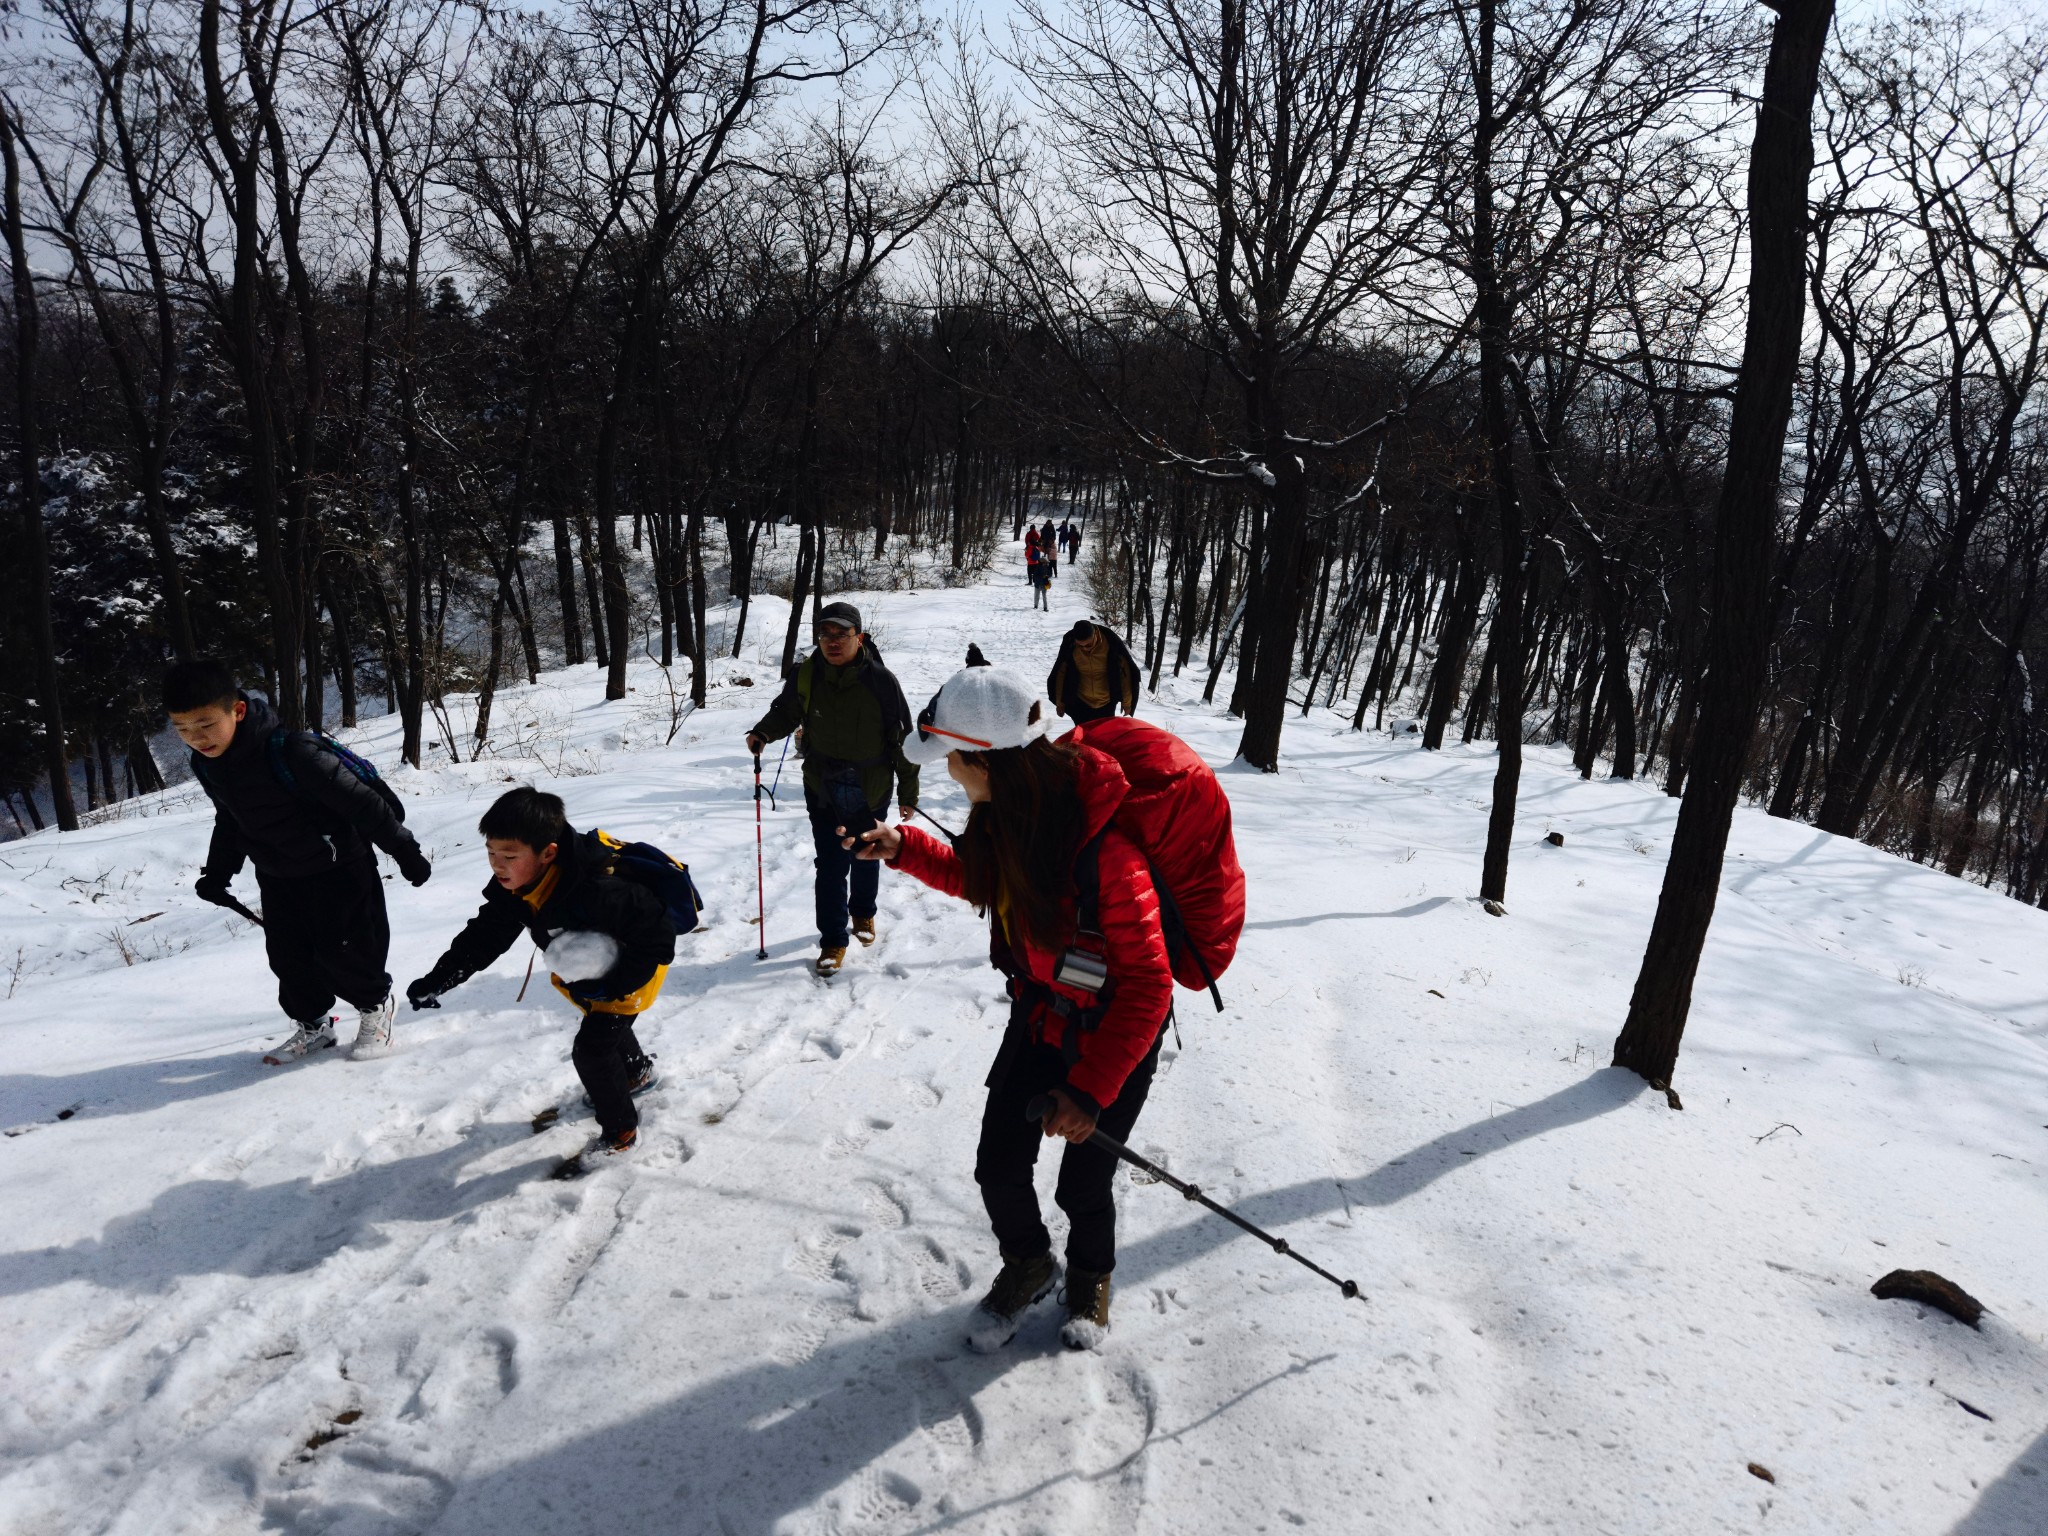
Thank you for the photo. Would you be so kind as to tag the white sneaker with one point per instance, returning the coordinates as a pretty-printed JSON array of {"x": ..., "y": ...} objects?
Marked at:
[
  {"x": 373, "y": 1033},
  {"x": 311, "y": 1035}
]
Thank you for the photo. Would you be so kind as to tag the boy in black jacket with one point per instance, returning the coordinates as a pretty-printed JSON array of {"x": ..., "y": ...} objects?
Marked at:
[
  {"x": 608, "y": 940},
  {"x": 287, "y": 802}
]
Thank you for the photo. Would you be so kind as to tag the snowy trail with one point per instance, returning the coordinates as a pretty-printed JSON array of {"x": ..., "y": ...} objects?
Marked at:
[{"x": 340, "y": 1298}]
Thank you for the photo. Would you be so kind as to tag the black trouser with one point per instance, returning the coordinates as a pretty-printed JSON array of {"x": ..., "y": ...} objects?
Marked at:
[
  {"x": 1023, "y": 1069},
  {"x": 608, "y": 1057},
  {"x": 841, "y": 802},
  {"x": 1081, "y": 712},
  {"x": 327, "y": 935}
]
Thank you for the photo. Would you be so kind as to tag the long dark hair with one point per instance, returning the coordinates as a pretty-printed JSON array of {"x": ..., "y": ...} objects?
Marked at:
[{"x": 1017, "y": 853}]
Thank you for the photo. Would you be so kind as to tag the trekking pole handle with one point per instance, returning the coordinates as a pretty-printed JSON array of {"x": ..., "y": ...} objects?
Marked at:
[{"x": 1042, "y": 1105}]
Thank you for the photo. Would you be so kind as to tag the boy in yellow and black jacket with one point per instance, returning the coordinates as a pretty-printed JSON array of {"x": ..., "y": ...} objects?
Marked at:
[{"x": 609, "y": 941}]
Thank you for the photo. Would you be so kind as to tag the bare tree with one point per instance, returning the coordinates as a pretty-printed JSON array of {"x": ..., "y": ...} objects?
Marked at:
[
  {"x": 1242, "y": 182},
  {"x": 681, "y": 82},
  {"x": 131, "y": 132},
  {"x": 1780, "y": 166},
  {"x": 28, "y": 465}
]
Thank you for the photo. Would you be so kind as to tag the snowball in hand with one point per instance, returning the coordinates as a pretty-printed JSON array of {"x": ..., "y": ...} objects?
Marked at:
[{"x": 575, "y": 955}]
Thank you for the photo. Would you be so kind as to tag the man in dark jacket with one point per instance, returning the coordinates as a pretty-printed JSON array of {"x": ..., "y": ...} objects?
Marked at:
[
  {"x": 854, "y": 718},
  {"x": 295, "y": 807},
  {"x": 1093, "y": 675},
  {"x": 608, "y": 939}
]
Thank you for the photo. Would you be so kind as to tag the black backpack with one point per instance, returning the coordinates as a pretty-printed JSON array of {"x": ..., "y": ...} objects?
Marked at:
[
  {"x": 665, "y": 875},
  {"x": 361, "y": 767}
]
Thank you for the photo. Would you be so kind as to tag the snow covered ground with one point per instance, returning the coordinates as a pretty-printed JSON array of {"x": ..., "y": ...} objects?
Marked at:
[{"x": 338, "y": 1298}]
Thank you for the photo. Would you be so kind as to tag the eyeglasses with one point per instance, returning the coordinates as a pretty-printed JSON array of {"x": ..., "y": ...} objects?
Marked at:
[
  {"x": 831, "y": 631},
  {"x": 926, "y": 730}
]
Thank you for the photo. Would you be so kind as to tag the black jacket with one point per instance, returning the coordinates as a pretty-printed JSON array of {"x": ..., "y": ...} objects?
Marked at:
[
  {"x": 326, "y": 817},
  {"x": 584, "y": 897},
  {"x": 1063, "y": 682}
]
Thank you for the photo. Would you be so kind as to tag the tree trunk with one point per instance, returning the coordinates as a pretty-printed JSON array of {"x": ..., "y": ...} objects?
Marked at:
[
  {"x": 1454, "y": 637},
  {"x": 600, "y": 627},
  {"x": 1738, "y": 633},
  {"x": 1498, "y": 424},
  {"x": 565, "y": 591},
  {"x": 246, "y": 348},
  {"x": 35, "y": 548}
]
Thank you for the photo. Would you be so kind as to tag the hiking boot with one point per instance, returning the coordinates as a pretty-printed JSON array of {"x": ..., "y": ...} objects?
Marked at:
[
  {"x": 864, "y": 930},
  {"x": 1086, "y": 1298},
  {"x": 830, "y": 959},
  {"x": 593, "y": 1157},
  {"x": 1020, "y": 1285},
  {"x": 373, "y": 1030},
  {"x": 311, "y": 1035},
  {"x": 643, "y": 1082}
]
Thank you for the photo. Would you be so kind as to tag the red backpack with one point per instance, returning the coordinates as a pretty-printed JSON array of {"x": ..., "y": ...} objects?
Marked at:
[{"x": 1177, "y": 814}]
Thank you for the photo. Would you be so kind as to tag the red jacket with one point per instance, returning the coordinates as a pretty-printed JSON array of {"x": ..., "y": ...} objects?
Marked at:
[{"x": 1128, "y": 910}]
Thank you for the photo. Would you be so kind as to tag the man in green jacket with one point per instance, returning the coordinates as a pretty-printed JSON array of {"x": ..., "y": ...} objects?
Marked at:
[{"x": 853, "y": 717}]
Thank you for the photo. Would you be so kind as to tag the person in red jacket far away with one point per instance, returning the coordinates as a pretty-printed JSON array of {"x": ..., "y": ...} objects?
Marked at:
[{"x": 1037, "y": 804}]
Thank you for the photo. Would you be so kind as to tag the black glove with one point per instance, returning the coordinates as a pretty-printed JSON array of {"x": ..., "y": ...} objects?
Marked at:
[
  {"x": 413, "y": 864},
  {"x": 426, "y": 992},
  {"x": 214, "y": 889}
]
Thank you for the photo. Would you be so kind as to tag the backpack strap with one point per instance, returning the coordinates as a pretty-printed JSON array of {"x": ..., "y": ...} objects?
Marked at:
[
  {"x": 881, "y": 684},
  {"x": 1088, "y": 884},
  {"x": 1088, "y": 903},
  {"x": 279, "y": 768},
  {"x": 802, "y": 679}
]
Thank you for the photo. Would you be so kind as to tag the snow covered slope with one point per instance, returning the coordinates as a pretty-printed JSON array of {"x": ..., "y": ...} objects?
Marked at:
[{"x": 337, "y": 1298}]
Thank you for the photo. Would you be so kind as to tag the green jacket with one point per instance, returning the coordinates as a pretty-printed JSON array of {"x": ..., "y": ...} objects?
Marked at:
[{"x": 853, "y": 717}]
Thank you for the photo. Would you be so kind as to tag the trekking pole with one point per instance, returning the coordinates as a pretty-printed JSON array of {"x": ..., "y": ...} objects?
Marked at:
[
  {"x": 760, "y": 881},
  {"x": 951, "y": 835},
  {"x": 773, "y": 803},
  {"x": 1042, "y": 1106},
  {"x": 235, "y": 906}
]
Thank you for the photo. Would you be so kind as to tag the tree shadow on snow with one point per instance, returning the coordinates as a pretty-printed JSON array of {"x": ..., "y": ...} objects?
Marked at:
[
  {"x": 224, "y": 1226},
  {"x": 130, "y": 1089},
  {"x": 1416, "y": 910},
  {"x": 739, "y": 1455},
  {"x": 2015, "y": 1505},
  {"x": 1608, "y": 1089}
]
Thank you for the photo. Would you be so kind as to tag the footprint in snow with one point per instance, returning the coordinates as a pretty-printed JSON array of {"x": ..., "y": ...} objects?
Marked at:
[
  {"x": 922, "y": 1092},
  {"x": 856, "y": 1135},
  {"x": 882, "y": 1206},
  {"x": 939, "y": 1276}
]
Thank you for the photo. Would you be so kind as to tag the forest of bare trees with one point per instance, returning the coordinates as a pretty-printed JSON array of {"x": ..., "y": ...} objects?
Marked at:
[{"x": 1468, "y": 361}]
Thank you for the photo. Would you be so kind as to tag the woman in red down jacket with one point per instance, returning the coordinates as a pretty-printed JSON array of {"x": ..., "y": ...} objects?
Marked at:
[{"x": 1035, "y": 804}]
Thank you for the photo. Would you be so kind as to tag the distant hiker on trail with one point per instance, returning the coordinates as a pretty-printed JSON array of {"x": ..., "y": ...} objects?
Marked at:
[
  {"x": 1088, "y": 1007},
  {"x": 1031, "y": 550},
  {"x": 1049, "y": 544},
  {"x": 1039, "y": 568},
  {"x": 605, "y": 913},
  {"x": 854, "y": 719},
  {"x": 1073, "y": 542},
  {"x": 1093, "y": 674},
  {"x": 306, "y": 812}
]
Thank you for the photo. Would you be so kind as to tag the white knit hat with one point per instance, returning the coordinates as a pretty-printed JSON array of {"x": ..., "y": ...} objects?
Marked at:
[{"x": 980, "y": 709}]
